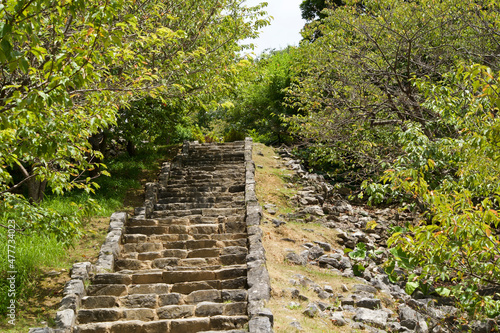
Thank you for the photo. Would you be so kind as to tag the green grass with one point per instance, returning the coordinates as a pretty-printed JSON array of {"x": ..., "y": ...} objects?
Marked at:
[{"x": 31, "y": 254}]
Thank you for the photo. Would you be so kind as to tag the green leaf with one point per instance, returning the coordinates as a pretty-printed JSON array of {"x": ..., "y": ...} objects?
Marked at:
[{"x": 411, "y": 287}]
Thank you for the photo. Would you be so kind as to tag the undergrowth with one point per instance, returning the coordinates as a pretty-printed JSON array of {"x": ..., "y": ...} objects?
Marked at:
[{"x": 39, "y": 250}]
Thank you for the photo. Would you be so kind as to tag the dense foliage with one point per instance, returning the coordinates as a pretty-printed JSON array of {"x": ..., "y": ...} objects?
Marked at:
[
  {"x": 74, "y": 72},
  {"x": 356, "y": 86},
  {"x": 258, "y": 99},
  {"x": 389, "y": 98},
  {"x": 456, "y": 181},
  {"x": 68, "y": 68}
]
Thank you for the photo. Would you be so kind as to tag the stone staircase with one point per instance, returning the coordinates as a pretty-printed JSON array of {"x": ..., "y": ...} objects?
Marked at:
[{"x": 180, "y": 264}]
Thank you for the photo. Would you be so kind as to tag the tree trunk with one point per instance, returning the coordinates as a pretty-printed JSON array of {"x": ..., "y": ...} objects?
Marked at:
[
  {"x": 131, "y": 148},
  {"x": 36, "y": 190},
  {"x": 98, "y": 143}
]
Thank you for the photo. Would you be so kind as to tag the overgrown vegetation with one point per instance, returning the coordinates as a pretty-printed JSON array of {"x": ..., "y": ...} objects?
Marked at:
[
  {"x": 81, "y": 81},
  {"x": 398, "y": 101}
]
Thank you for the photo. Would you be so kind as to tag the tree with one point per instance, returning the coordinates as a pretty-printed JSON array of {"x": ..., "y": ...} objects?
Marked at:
[
  {"x": 457, "y": 180},
  {"x": 312, "y": 9},
  {"x": 66, "y": 68},
  {"x": 356, "y": 86},
  {"x": 259, "y": 98}
]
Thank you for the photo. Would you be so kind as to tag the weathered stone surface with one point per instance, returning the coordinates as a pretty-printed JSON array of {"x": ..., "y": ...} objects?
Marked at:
[
  {"x": 175, "y": 311},
  {"x": 170, "y": 299},
  {"x": 96, "y": 315},
  {"x": 70, "y": 302},
  {"x": 94, "y": 302},
  {"x": 365, "y": 288},
  {"x": 81, "y": 271},
  {"x": 338, "y": 319},
  {"x": 377, "y": 318},
  {"x": 191, "y": 325},
  {"x": 139, "y": 314},
  {"x": 74, "y": 287},
  {"x": 65, "y": 319},
  {"x": 112, "y": 278},
  {"x": 312, "y": 310},
  {"x": 234, "y": 295},
  {"x": 203, "y": 296},
  {"x": 107, "y": 289},
  {"x": 260, "y": 325},
  {"x": 411, "y": 319},
  {"x": 157, "y": 288},
  {"x": 209, "y": 309},
  {"x": 295, "y": 259},
  {"x": 315, "y": 252},
  {"x": 369, "y": 303},
  {"x": 140, "y": 301}
]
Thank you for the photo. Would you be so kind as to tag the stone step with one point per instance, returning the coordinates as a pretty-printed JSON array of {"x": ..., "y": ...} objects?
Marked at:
[
  {"x": 221, "y": 198},
  {"x": 169, "y": 220},
  {"x": 211, "y": 290},
  {"x": 166, "y": 276},
  {"x": 215, "y": 212},
  {"x": 171, "y": 190},
  {"x": 230, "y": 255},
  {"x": 195, "y": 173},
  {"x": 125, "y": 324},
  {"x": 213, "y": 168},
  {"x": 207, "y": 181},
  {"x": 141, "y": 238},
  {"x": 176, "y": 229},
  {"x": 155, "y": 301},
  {"x": 196, "y": 205}
]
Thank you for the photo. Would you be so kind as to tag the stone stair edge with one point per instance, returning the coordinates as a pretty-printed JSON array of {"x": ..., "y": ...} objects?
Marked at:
[{"x": 258, "y": 280}]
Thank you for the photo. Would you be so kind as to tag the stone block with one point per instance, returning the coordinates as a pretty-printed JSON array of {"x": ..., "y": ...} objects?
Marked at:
[
  {"x": 70, "y": 302},
  {"x": 188, "y": 287},
  {"x": 156, "y": 288},
  {"x": 74, "y": 287},
  {"x": 260, "y": 325},
  {"x": 235, "y": 309},
  {"x": 147, "y": 278},
  {"x": 377, "y": 318},
  {"x": 170, "y": 299},
  {"x": 208, "y": 309},
  {"x": 203, "y": 296},
  {"x": 107, "y": 289},
  {"x": 112, "y": 278},
  {"x": 95, "y": 302},
  {"x": 140, "y": 301},
  {"x": 139, "y": 314},
  {"x": 204, "y": 253},
  {"x": 165, "y": 262},
  {"x": 65, "y": 319},
  {"x": 98, "y": 315},
  {"x": 175, "y": 311},
  {"x": 155, "y": 327},
  {"x": 184, "y": 276},
  {"x": 228, "y": 322},
  {"x": 81, "y": 271},
  {"x": 126, "y": 327},
  {"x": 192, "y": 325}
]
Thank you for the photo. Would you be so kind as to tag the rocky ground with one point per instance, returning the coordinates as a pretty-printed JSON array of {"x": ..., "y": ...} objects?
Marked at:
[{"x": 367, "y": 301}]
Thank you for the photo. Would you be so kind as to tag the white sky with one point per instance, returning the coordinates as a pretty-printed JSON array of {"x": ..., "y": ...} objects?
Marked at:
[{"x": 284, "y": 29}]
